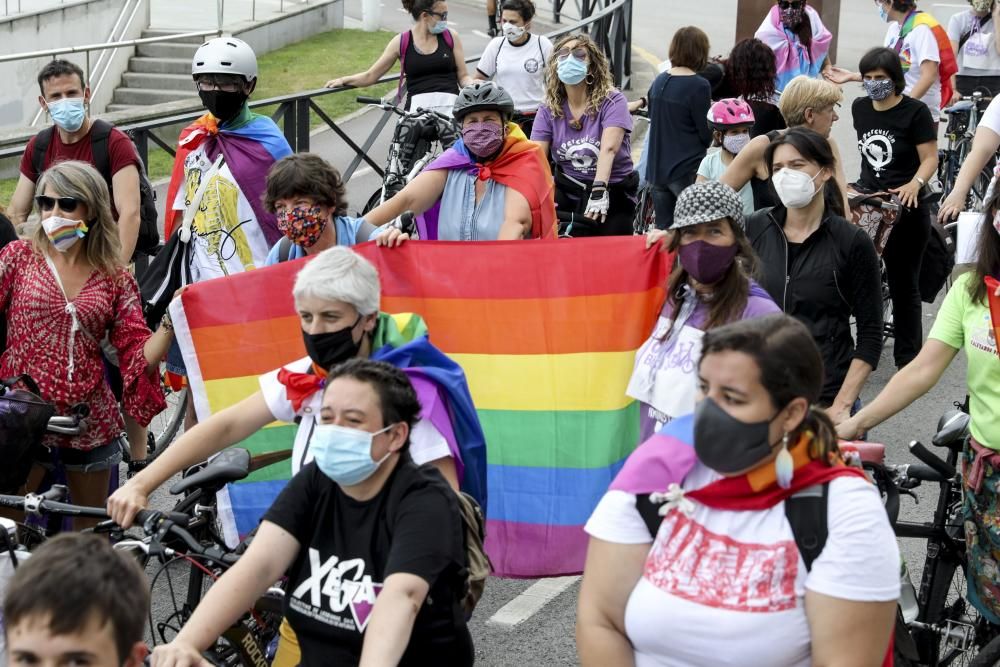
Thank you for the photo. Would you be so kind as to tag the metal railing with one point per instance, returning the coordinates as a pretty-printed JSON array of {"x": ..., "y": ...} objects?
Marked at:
[{"x": 610, "y": 27}]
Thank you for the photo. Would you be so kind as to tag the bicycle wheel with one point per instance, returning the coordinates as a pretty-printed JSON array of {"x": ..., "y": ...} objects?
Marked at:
[
  {"x": 888, "y": 330},
  {"x": 645, "y": 212},
  {"x": 166, "y": 425}
]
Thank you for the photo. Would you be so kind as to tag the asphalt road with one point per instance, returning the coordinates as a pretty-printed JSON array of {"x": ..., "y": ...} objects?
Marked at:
[{"x": 546, "y": 638}]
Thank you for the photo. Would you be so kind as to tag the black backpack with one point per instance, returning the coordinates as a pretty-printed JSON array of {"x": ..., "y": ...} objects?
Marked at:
[
  {"x": 937, "y": 264},
  {"x": 149, "y": 231},
  {"x": 806, "y": 512}
]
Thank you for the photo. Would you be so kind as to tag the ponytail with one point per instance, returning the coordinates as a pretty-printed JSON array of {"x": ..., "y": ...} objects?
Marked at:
[
  {"x": 823, "y": 446},
  {"x": 833, "y": 198}
]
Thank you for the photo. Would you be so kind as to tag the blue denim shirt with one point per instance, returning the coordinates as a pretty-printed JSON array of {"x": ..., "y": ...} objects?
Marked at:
[{"x": 461, "y": 219}]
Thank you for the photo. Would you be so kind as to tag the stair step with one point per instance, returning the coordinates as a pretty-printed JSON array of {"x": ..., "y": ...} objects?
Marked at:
[
  {"x": 167, "y": 50},
  {"x": 112, "y": 108},
  {"x": 161, "y": 66},
  {"x": 143, "y": 96},
  {"x": 197, "y": 41},
  {"x": 163, "y": 82}
]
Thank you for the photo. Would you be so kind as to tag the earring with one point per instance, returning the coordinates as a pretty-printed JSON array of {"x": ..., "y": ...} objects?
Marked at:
[
  {"x": 784, "y": 465},
  {"x": 590, "y": 79}
]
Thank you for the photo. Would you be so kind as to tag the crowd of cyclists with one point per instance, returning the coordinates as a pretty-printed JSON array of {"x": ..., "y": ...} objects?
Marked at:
[{"x": 776, "y": 300}]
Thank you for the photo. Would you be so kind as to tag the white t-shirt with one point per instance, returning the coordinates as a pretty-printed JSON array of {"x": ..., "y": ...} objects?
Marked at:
[
  {"x": 978, "y": 56},
  {"x": 519, "y": 68},
  {"x": 225, "y": 233},
  {"x": 918, "y": 46},
  {"x": 724, "y": 587},
  {"x": 426, "y": 442}
]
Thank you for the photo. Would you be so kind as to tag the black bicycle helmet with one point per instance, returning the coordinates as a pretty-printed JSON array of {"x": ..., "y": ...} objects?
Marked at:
[{"x": 483, "y": 96}]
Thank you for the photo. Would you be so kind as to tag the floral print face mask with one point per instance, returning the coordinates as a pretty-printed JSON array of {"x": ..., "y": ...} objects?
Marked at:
[{"x": 302, "y": 224}]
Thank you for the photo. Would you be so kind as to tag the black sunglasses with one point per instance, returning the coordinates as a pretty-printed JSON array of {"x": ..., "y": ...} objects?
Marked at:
[
  {"x": 66, "y": 204},
  {"x": 441, "y": 15},
  {"x": 791, "y": 4}
]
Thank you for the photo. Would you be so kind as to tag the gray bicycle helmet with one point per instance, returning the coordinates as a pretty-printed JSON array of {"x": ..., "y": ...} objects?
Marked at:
[
  {"x": 225, "y": 55},
  {"x": 483, "y": 96}
]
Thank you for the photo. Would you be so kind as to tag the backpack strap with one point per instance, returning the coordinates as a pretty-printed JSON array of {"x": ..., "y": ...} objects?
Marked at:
[
  {"x": 404, "y": 45},
  {"x": 100, "y": 131},
  {"x": 806, "y": 512},
  {"x": 284, "y": 249},
  {"x": 449, "y": 39},
  {"x": 42, "y": 141}
]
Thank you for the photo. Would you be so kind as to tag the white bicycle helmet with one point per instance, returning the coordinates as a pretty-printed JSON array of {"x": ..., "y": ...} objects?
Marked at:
[{"x": 225, "y": 55}]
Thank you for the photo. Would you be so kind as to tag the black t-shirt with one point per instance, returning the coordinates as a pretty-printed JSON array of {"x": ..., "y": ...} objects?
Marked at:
[
  {"x": 888, "y": 141},
  {"x": 7, "y": 234},
  {"x": 349, "y": 548},
  {"x": 767, "y": 118}
]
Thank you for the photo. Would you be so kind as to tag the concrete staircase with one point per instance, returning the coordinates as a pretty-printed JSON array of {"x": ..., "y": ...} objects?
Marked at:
[{"x": 159, "y": 72}]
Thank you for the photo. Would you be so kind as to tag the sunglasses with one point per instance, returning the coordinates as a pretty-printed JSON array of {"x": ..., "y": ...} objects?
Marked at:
[
  {"x": 66, "y": 204},
  {"x": 791, "y": 4},
  {"x": 443, "y": 16},
  {"x": 579, "y": 53}
]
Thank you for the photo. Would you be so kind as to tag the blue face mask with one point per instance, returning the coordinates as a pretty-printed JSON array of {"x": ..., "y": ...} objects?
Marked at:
[
  {"x": 571, "y": 71},
  {"x": 883, "y": 13},
  {"x": 345, "y": 454},
  {"x": 68, "y": 113},
  {"x": 439, "y": 27}
]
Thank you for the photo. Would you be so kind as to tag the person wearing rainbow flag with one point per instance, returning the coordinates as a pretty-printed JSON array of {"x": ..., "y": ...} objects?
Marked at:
[
  {"x": 694, "y": 537},
  {"x": 924, "y": 51},
  {"x": 492, "y": 184}
]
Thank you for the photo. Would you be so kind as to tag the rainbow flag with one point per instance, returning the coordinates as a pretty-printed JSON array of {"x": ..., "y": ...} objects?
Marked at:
[{"x": 546, "y": 333}]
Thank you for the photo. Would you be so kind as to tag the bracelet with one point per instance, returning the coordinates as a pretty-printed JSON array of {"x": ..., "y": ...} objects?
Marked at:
[
  {"x": 166, "y": 322},
  {"x": 645, "y": 102},
  {"x": 599, "y": 185},
  {"x": 922, "y": 182}
]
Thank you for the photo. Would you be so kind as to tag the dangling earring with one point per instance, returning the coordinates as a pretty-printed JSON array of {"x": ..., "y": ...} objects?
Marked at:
[
  {"x": 590, "y": 80},
  {"x": 784, "y": 465}
]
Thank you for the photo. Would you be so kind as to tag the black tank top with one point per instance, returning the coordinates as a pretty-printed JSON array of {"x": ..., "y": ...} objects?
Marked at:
[
  {"x": 764, "y": 195},
  {"x": 430, "y": 73}
]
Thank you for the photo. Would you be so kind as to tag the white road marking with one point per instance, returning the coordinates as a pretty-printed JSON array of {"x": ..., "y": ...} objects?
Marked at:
[{"x": 530, "y": 602}]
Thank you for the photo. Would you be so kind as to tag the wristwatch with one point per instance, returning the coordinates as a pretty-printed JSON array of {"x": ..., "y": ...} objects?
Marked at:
[{"x": 922, "y": 182}]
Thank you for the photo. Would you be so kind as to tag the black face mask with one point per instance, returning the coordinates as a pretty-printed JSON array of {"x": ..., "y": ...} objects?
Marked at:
[
  {"x": 330, "y": 348},
  {"x": 224, "y": 106},
  {"x": 724, "y": 443}
]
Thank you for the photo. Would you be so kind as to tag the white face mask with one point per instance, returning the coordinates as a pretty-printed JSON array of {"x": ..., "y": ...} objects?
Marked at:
[
  {"x": 795, "y": 188},
  {"x": 513, "y": 32}
]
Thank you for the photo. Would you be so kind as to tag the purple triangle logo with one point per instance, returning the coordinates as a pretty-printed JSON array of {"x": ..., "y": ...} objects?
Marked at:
[{"x": 361, "y": 605}]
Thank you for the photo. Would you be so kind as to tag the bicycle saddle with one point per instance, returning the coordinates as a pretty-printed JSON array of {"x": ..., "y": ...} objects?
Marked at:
[
  {"x": 227, "y": 466},
  {"x": 960, "y": 107},
  {"x": 953, "y": 428}
]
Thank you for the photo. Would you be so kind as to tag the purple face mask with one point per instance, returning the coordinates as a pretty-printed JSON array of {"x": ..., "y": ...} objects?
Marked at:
[
  {"x": 483, "y": 139},
  {"x": 705, "y": 262}
]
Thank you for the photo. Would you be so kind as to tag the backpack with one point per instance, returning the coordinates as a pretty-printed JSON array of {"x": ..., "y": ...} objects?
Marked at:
[
  {"x": 404, "y": 44},
  {"x": 149, "y": 231},
  {"x": 937, "y": 263},
  {"x": 806, "y": 512},
  {"x": 478, "y": 565}
]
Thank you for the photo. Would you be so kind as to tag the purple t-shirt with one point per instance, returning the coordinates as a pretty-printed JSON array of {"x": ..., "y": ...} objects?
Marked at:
[
  {"x": 576, "y": 151},
  {"x": 681, "y": 361}
]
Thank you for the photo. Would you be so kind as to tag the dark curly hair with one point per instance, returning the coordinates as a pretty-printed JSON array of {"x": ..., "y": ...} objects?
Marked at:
[
  {"x": 397, "y": 397},
  {"x": 751, "y": 70},
  {"x": 418, "y": 7},
  {"x": 306, "y": 175}
]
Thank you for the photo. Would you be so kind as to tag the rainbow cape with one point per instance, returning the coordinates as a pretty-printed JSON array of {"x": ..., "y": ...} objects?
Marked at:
[
  {"x": 948, "y": 66},
  {"x": 251, "y": 143},
  {"x": 545, "y": 332},
  {"x": 520, "y": 165}
]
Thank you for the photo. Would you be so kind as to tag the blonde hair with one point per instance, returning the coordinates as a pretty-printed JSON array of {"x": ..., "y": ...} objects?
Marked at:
[
  {"x": 803, "y": 93},
  {"x": 600, "y": 85},
  {"x": 82, "y": 182}
]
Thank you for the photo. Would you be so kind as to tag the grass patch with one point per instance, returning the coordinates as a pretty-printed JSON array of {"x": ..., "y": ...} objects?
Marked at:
[{"x": 293, "y": 69}]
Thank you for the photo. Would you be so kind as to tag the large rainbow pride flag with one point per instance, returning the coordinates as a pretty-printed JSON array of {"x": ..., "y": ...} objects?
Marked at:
[{"x": 546, "y": 332}]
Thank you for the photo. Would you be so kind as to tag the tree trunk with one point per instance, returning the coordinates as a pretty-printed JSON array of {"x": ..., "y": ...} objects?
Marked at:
[{"x": 750, "y": 13}]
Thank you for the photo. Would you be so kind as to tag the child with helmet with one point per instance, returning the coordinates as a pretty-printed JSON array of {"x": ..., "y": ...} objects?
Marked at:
[{"x": 731, "y": 120}]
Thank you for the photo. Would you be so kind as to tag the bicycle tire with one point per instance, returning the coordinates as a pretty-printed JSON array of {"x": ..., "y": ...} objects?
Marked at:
[
  {"x": 167, "y": 424},
  {"x": 988, "y": 656},
  {"x": 645, "y": 213}
]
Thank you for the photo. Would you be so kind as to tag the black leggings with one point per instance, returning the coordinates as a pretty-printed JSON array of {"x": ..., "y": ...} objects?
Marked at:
[
  {"x": 665, "y": 199},
  {"x": 902, "y": 255},
  {"x": 621, "y": 208}
]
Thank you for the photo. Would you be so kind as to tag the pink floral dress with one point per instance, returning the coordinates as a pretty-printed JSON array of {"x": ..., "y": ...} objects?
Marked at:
[{"x": 58, "y": 343}]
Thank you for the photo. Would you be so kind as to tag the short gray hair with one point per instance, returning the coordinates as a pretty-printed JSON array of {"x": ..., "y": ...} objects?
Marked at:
[{"x": 340, "y": 274}]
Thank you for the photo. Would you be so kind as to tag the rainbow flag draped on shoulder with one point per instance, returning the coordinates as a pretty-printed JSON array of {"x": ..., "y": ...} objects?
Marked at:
[
  {"x": 948, "y": 65},
  {"x": 546, "y": 334}
]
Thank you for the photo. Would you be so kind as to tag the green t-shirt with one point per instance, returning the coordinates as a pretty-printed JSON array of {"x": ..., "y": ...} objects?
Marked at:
[{"x": 965, "y": 325}]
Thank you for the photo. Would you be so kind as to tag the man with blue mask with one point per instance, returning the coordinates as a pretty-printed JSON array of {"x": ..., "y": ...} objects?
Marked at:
[{"x": 65, "y": 97}]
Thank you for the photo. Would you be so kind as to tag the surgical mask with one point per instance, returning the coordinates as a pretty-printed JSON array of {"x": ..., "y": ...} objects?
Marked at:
[
  {"x": 439, "y": 27},
  {"x": 63, "y": 232},
  {"x": 513, "y": 32},
  {"x": 726, "y": 444},
  {"x": 302, "y": 224},
  {"x": 879, "y": 89},
  {"x": 483, "y": 139},
  {"x": 795, "y": 188},
  {"x": 734, "y": 143},
  {"x": 705, "y": 262},
  {"x": 221, "y": 104},
  {"x": 332, "y": 347},
  {"x": 883, "y": 13},
  {"x": 571, "y": 71},
  {"x": 982, "y": 5},
  {"x": 68, "y": 113},
  {"x": 345, "y": 454}
]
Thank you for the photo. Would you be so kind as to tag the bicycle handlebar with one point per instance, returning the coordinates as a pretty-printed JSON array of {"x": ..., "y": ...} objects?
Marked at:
[
  {"x": 924, "y": 473},
  {"x": 361, "y": 99},
  {"x": 941, "y": 467}
]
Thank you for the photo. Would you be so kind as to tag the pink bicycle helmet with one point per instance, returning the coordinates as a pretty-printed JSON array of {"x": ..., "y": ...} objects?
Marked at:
[{"x": 729, "y": 112}]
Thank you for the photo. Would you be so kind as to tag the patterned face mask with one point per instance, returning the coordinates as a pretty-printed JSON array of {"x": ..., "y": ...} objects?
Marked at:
[
  {"x": 302, "y": 224},
  {"x": 792, "y": 17},
  {"x": 982, "y": 5}
]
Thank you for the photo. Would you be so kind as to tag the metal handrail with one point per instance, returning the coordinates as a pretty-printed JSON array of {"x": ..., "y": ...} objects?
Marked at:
[{"x": 107, "y": 45}]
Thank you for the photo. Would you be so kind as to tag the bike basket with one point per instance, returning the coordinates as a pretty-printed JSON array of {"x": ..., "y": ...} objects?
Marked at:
[
  {"x": 874, "y": 214},
  {"x": 23, "y": 418}
]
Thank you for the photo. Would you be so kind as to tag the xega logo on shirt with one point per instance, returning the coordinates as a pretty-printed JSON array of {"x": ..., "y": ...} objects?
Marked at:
[{"x": 333, "y": 587}]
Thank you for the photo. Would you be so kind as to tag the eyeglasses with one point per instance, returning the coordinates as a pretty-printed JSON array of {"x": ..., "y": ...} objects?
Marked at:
[
  {"x": 791, "y": 4},
  {"x": 207, "y": 85},
  {"x": 579, "y": 53},
  {"x": 442, "y": 16},
  {"x": 66, "y": 204}
]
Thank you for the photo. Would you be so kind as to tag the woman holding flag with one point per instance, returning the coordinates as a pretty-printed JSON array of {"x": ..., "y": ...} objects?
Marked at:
[{"x": 693, "y": 535}]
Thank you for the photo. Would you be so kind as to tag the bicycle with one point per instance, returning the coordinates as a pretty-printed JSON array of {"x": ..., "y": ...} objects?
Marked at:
[
  {"x": 645, "y": 211},
  {"x": 936, "y": 625},
  {"x": 414, "y": 146},
  {"x": 963, "y": 119}
]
